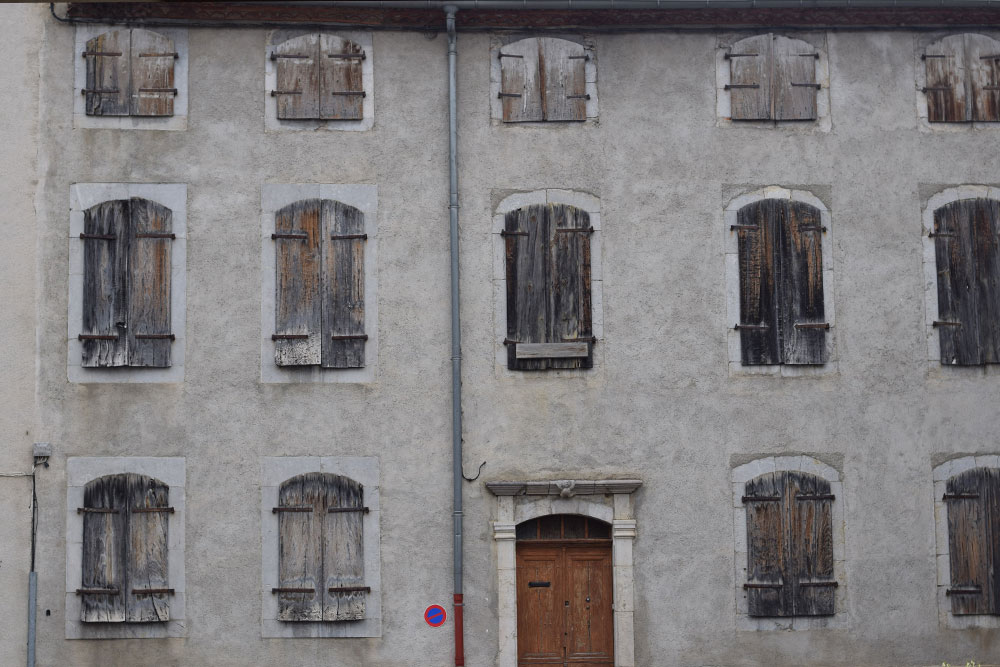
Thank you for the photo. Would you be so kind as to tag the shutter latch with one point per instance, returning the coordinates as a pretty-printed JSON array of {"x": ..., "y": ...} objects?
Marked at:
[{"x": 812, "y": 325}]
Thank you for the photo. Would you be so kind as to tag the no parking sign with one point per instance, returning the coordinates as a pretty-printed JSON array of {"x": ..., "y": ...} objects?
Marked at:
[{"x": 435, "y": 615}]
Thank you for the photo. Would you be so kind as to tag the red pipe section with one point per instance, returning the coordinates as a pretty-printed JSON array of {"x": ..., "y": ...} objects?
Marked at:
[{"x": 459, "y": 634}]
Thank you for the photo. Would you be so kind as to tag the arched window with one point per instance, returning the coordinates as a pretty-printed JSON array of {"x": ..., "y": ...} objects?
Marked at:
[
  {"x": 319, "y": 77},
  {"x": 772, "y": 78},
  {"x": 543, "y": 79},
  {"x": 973, "y": 501},
  {"x": 963, "y": 79},
  {"x": 130, "y": 72}
]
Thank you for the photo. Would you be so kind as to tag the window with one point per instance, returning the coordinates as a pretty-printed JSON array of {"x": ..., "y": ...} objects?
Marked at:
[
  {"x": 781, "y": 300},
  {"x": 130, "y": 72},
  {"x": 548, "y": 287},
  {"x": 790, "y": 563},
  {"x": 543, "y": 79},
  {"x": 772, "y": 77},
  {"x": 973, "y": 501},
  {"x": 319, "y": 76},
  {"x": 962, "y": 79},
  {"x": 967, "y": 256}
]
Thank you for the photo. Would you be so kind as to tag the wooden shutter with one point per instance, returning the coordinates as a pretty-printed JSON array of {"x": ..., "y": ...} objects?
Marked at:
[
  {"x": 520, "y": 81},
  {"x": 103, "y": 582},
  {"x": 958, "y": 311},
  {"x": 562, "y": 67},
  {"x": 108, "y": 74},
  {"x": 149, "y": 335},
  {"x": 768, "y": 591},
  {"x": 983, "y": 62},
  {"x": 973, "y": 500},
  {"x": 343, "y": 550},
  {"x": 343, "y": 285},
  {"x": 148, "y": 512},
  {"x": 152, "y": 64},
  {"x": 570, "y": 321},
  {"x": 758, "y": 226},
  {"x": 300, "y": 548},
  {"x": 793, "y": 79},
  {"x": 801, "y": 321},
  {"x": 298, "y": 306},
  {"x": 750, "y": 78},
  {"x": 341, "y": 90},
  {"x": 105, "y": 241},
  {"x": 946, "y": 80},
  {"x": 297, "y": 80},
  {"x": 985, "y": 227},
  {"x": 527, "y": 235}
]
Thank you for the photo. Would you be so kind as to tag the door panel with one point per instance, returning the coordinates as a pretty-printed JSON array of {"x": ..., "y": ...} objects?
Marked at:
[
  {"x": 539, "y": 613},
  {"x": 589, "y": 618}
]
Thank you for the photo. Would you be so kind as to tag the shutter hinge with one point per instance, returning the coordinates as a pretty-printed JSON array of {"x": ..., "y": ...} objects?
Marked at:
[
  {"x": 972, "y": 590},
  {"x": 98, "y": 91},
  {"x": 731, "y": 86},
  {"x": 307, "y": 508},
  {"x": 959, "y": 496},
  {"x": 275, "y": 56},
  {"x": 751, "y": 327},
  {"x": 156, "y": 235},
  {"x": 275, "y": 93},
  {"x": 350, "y": 337},
  {"x": 579, "y": 230},
  {"x": 172, "y": 91},
  {"x": 344, "y": 510},
  {"x": 293, "y": 590},
  {"x": 96, "y": 510},
  {"x": 164, "y": 336},
  {"x": 152, "y": 591},
  {"x": 86, "y": 54},
  {"x": 97, "y": 337},
  {"x": 756, "y": 585},
  {"x": 733, "y": 227},
  {"x": 502, "y": 95},
  {"x": 343, "y": 237},
  {"x": 812, "y": 228},
  {"x": 539, "y": 584},
  {"x": 173, "y": 55},
  {"x": 926, "y": 89},
  {"x": 817, "y": 496},
  {"x": 995, "y": 56},
  {"x": 808, "y": 55},
  {"x": 506, "y": 233},
  {"x": 730, "y": 56},
  {"x": 350, "y": 92},
  {"x": 289, "y": 336},
  {"x": 585, "y": 339},
  {"x": 501, "y": 54},
  {"x": 152, "y": 510},
  {"x": 939, "y": 323},
  {"x": 934, "y": 235},
  {"x": 97, "y": 591},
  {"x": 925, "y": 56},
  {"x": 301, "y": 237},
  {"x": 760, "y": 499},
  {"x": 812, "y": 325},
  {"x": 817, "y": 86},
  {"x": 347, "y": 56},
  {"x": 99, "y": 237},
  {"x": 583, "y": 57},
  {"x": 578, "y": 97},
  {"x": 817, "y": 584},
  {"x": 349, "y": 589}
]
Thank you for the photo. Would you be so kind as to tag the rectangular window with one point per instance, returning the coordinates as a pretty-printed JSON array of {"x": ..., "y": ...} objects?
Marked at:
[
  {"x": 772, "y": 78},
  {"x": 130, "y": 72},
  {"x": 962, "y": 79}
]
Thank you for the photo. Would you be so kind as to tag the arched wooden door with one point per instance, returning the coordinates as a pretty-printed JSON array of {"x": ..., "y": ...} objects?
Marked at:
[{"x": 564, "y": 592}]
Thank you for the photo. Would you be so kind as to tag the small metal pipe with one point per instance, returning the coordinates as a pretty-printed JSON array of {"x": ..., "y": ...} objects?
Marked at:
[{"x": 32, "y": 601}]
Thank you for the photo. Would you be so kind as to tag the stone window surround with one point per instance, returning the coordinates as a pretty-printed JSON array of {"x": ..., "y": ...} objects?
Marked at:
[
  {"x": 274, "y": 471},
  {"x": 941, "y": 474},
  {"x": 590, "y": 74},
  {"x": 82, "y": 197},
  {"x": 80, "y": 471},
  {"x": 521, "y": 501},
  {"x": 86, "y": 31},
  {"x": 273, "y": 198},
  {"x": 736, "y": 367},
  {"x": 740, "y": 476},
  {"x": 271, "y": 121},
  {"x": 584, "y": 201},
  {"x": 933, "y": 203},
  {"x": 723, "y": 108},
  {"x": 921, "y": 42}
]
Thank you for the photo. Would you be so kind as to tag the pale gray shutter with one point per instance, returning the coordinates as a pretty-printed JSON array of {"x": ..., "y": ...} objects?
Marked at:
[
  {"x": 148, "y": 333},
  {"x": 298, "y": 283},
  {"x": 343, "y": 550},
  {"x": 794, "y": 79},
  {"x": 301, "y": 501},
  {"x": 343, "y": 286},
  {"x": 341, "y": 89},
  {"x": 108, "y": 74},
  {"x": 103, "y": 582},
  {"x": 297, "y": 78},
  {"x": 148, "y": 597},
  {"x": 520, "y": 81},
  {"x": 562, "y": 66},
  {"x": 105, "y": 239},
  {"x": 152, "y": 65},
  {"x": 750, "y": 78}
]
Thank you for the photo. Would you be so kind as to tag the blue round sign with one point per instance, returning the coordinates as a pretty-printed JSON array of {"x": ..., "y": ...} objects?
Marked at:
[{"x": 435, "y": 615}]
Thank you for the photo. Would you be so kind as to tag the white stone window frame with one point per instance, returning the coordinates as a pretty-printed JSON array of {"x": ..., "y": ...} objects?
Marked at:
[
  {"x": 584, "y": 201},
  {"x": 932, "y": 335},
  {"x": 590, "y": 74},
  {"x": 921, "y": 43},
  {"x": 274, "y": 197},
  {"x": 723, "y": 98},
  {"x": 729, "y": 218},
  {"x": 79, "y": 472},
  {"x": 82, "y": 197},
  {"x": 362, "y": 469},
  {"x": 941, "y": 474},
  {"x": 610, "y": 501},
  {"x": 740, "y": 476},
  {"x": 271, "y": 121},
  {"x": 176, "y": 122}
]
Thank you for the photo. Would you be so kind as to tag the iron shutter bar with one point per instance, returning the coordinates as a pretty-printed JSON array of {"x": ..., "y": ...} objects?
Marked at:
[
  {"x": 293, "y": 590},
  {"x": 342, "y": 510},
  {"x": 275, "y": 510},
  {"x": 349, "y": 589},
  {"x": 349, "y": 337},
  {"x": 152, "y": 591},
  {"x": 761, "y": 585},
  {"x": 97, "y": 591},
  {"x": 959, "y": 496},
  {"x": 96, "y": 510},
  {"x": 97, "y": 337}
]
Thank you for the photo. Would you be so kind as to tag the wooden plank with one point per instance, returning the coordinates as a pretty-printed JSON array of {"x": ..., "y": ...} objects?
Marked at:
[
  {"x": 983, "y": 66},
  {"x": 793, "y": 80},
  {"x": 552, "y": 350},
  {"x": 105, "y": 288},
  {"x": 108, "y": 73},
  {"x": 985, "y": 227},
  {"x": 968, "y": 544},
  {"x": 343, "y": 286},
  {"x": 570, "y": 288},
  {"x": 589, "y": 591},
  {"x": 767, "y": 594},
  {"x": 540, "y": 615},
  {"x": 104, "y": 556},
  {"x": 300, "y": 548},
  {"x": 339, "y": 75},
  {"x": 758, "y": 223},
  {"x": 149, "y": 284},
  {"x": 957, "y": 284},
  {"x": 810, "y": 544},
  {"x": 343, "y": 550},
  {"x": 152, "y": 65},
  {"x": 298, "y": 285},
  {"x": 521, "y": 81},
  {"x": 946, "y": 80},
  {"x": 750, "y": 78},
  {"x": 801, "y": 288},
  {"x": 147, "y": 550},
  {"x": 563, "y": 70},
  {"x": 528, "y": 280},
  {"x": 297, "y": 78}
]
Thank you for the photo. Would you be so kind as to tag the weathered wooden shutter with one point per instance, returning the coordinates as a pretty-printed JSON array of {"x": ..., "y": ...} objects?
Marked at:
[
  {"x": 985, "y": 227},
  {"x": 801, "y": 321},
  {"x": 108, "y": 74},
  {"x": 148, "y": 513},
  {"x": 152, "y": 65},
  {"x": 297, "y": 81},
  {"x": 105, "y": 241},
  {"x": 983, "y": 62},
  {"x": 521, "y": 81},
  {"x": 946, "y": 80},
  {"x": 343, "y": 285},
  {"x": 103, "y": 584},
  {"x": 341, "y": 90},
  {"x": 570, "y": 322},
  {"x": 768, "y": 591},
  {"x": 562, "y": 66},
  {"x": 343, "y": 551},
  {"x": 750, "y": 78},
  {"x": 973, "y": 500},
  {"x": 300, "y": 547},
  {"x": 149, "y": 335},
  {"x": 298, "y": 304},
  {"x": 758, "y": 226},
  {"x": 793, "y": 79},
  {"x": 958, "y": 284}
]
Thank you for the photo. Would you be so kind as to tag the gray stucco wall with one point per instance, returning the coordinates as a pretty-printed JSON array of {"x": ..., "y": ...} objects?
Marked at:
[{"x": 662, "y": 406}]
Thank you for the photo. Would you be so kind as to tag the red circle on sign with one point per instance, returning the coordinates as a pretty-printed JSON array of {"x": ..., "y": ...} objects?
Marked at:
[{"x": 435, "y": 615}]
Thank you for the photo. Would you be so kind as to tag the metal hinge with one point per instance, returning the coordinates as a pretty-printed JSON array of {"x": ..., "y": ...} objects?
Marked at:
[
  {"x": 156, "y": 235},
  {"x": 350, "y": 92},
  {"x": 289, "y": 235},
  {"x": 97, "y": 591},
  {"x": 732, "y": 227},
  {"x": 812, "y": 325},
  {"x": 976, "y": 590},
  {"x": 152, "y": 591},
  {"x": 730, "y": 56},
  {"x": 755, "y": 585},
  {"x": 349, "y": 589},
  {"x": 751, "y": 327},
  {"x": 289, "y": 336},
  {"x": 731, "y": 86},
  {"x": 818, "y": 496},
  {"x": 939, "y": 323},
  {"x": 99, "y": 237},
  {"x": 346, "y": 510},
  {"x": 817, "y": 86},
  {"x": 347, "y": 56},
  {"x": 86, "y": 54},
  {"x": 760, "y": 499},
  {"x": 502, "y": 95},
  {"x": 959, "y": 496},
  {"x": 343, "y": 237},
  {"x": 350, "y": 337},
  {"x": 173, "y": 55}
]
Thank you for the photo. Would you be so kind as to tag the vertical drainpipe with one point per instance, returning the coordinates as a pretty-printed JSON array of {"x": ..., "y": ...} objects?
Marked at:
[{"x": 456, "y": 334}]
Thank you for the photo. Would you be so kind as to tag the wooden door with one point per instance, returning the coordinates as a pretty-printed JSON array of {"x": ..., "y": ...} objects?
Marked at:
[{"x": 564, "y": 604}]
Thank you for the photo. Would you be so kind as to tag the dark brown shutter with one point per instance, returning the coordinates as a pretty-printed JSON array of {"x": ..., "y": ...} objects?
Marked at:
[
  {"x": 343, "y": 286},
  {"x": 297, "y": 80},
  {"x": 750, "y": 78},
  {"x": 148, "y": 513},
  {"x": 105, "y": 241},
  {"x": 958, "y": 312},
  {"x": 527, "y": 245},
  {"x": 794, "y": 79},
  {"x": 758, "y": 226},
  {"x": 570, "y": 294},
  {"x": 809, "y": 506},
  {"x": 341, "y": 90},
  {"x": 945, "y": 80},
  {"x": 562, "y": 66},
  {"x": 149, "y": 331},
  {"x": 985, "y": 227},
  {"x": 343, "y": 550},
  {"x": 108, "y": 78},
  {"x": 152, "y": 63},
  {"x": 298, "y": 305},
  {"x": 983, "y": 62},
  {"x": 800, "y": 289},
  {"x": 768, "y": 591},
  {"x": 973, "y": 500},
  {"x": 520, "y": 81},
  {"x": 300, "y": 548},
  {"x": 103, "y": 582}
]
